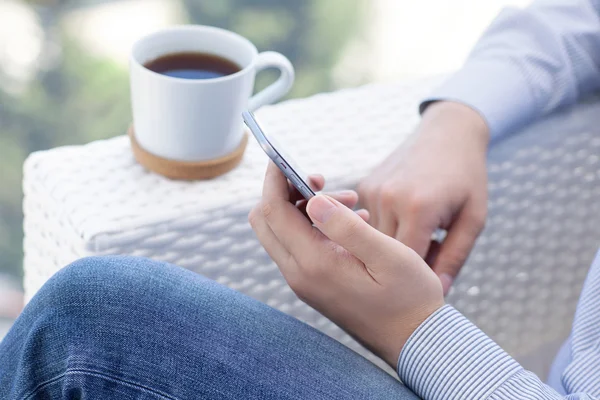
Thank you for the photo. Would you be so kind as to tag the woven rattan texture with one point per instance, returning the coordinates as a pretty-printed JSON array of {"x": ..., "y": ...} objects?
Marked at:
[{"x": 520, "y": 284}]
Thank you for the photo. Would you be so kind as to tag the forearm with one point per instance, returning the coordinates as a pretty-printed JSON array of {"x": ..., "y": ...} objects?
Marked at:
[{"x": 528, "y": 63}]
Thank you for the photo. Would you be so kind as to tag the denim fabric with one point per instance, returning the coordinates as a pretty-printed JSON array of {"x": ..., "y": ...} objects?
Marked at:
[{"x": 130, "y": 328}]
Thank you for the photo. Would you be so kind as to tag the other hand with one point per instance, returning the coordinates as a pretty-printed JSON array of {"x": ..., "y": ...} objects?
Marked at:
[{"x": 437, "y": 180}]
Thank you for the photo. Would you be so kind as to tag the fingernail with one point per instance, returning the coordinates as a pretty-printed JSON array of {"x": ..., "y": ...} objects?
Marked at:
[
  {"x": 320, "y": 208},
  {"x": 447, "y": 281},
  {"x": 346, "y": 193}
]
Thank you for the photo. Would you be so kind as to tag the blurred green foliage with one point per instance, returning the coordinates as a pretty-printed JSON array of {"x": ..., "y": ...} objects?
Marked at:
[{"x": 80, "y": 98}]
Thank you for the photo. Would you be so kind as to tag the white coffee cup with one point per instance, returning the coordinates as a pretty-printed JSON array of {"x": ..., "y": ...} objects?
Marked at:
[{"x": 199, "y": 119}]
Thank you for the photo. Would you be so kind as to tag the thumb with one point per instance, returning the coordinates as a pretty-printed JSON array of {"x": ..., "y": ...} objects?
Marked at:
[{"x": 346, "y": 228}]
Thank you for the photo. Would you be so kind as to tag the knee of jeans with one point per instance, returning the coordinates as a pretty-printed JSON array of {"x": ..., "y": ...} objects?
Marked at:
[
  {"x": 104, "y": 276},
  {"x": 142, "y": 290},
  {"x": 103, "y": 268},
  {"x": 128, "y": 279}
]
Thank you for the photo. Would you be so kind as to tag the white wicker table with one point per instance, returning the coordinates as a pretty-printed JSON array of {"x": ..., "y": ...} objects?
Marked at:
[{"x": 520, "y": 285}]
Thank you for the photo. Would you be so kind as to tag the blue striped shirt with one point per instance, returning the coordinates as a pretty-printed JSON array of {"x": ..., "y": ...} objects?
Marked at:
[
  {"x": 528, "y": 63},
  {"x": 448, "y": 357}
]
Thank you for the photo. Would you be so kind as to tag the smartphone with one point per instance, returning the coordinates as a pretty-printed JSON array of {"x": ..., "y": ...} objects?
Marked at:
[{"x": 289, "y": 168}]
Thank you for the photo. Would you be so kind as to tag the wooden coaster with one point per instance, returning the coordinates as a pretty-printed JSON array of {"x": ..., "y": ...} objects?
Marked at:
[{"x": 187, "y": 170}]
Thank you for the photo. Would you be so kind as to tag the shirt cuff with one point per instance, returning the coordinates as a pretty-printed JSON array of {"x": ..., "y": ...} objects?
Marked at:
[
  {"x": 497, "y": 90},
  {"x": 448, "y": 357}
]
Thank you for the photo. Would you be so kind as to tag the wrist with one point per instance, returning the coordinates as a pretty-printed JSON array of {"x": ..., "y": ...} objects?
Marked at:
[
  {"x": 405, "y": 327},
  {"x": 449, "y": 118}
]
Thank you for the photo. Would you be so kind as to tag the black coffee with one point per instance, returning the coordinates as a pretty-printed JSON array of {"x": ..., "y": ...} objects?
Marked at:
[{"x": 193, "y": 66}]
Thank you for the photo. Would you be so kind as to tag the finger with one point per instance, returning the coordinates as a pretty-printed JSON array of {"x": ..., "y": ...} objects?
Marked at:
[
  {"x": 291, "y": 228},
  {"x": 456, "y": 248},
  {"x": 373, "y": 208},
  {"x": 316, "y": 182},
  {"x": 366, "y": 201},
  {"x": 415, "y": 233},
  {"x": 267, "y": 238},
  {"x": 343, "y": 226},
  {"x": 386, "y": 223},
  {"x": 432, "y": 253},
  {"x": 275, "y": 185},
  {"x": 349, "y": 198},
  {"x": 364, "y": 214},
  {"x": 362, "y": 190}
]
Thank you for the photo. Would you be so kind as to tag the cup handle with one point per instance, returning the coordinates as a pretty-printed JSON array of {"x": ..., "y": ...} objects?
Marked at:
[{"x": 276, "y": 90}]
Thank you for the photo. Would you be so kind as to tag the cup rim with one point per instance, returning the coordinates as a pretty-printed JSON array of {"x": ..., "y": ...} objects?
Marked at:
[{"x": 198, "y": 28}]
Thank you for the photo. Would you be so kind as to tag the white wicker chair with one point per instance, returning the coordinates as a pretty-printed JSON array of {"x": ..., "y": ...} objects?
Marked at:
[{"x": 520, "y": 284}]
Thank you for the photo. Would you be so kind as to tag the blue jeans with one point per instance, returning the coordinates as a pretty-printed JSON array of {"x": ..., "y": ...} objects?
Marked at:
[{"x": 125, "y": 328}]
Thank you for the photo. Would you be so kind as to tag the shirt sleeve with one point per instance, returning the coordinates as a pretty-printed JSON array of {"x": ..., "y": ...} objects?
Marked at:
[
  {"x": 449, "y": 358},
  {"x": 529, "y": 62}
]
